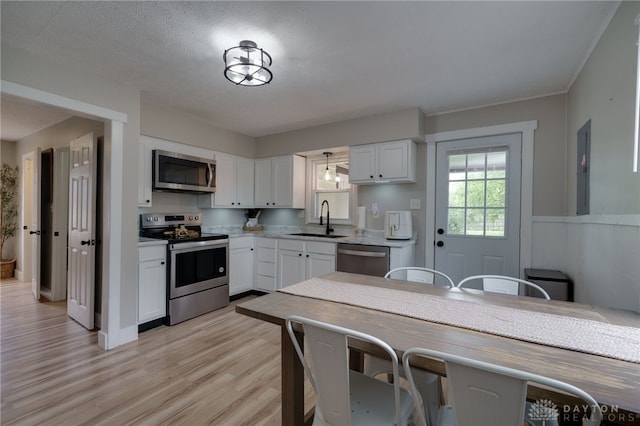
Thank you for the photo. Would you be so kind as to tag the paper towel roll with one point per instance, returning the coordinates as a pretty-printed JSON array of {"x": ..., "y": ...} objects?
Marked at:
[{"x": 360, "y": 217}]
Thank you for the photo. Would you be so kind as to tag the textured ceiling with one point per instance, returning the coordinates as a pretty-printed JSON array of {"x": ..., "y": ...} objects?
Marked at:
[{"x": 331, "y": 60}]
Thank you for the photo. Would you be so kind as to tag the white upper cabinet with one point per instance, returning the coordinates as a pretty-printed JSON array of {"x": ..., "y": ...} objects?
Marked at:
[
  {"x": 393, "y": 162},
  {"x": 280, "y": 182},
  {"x": 234, "y": 183}
]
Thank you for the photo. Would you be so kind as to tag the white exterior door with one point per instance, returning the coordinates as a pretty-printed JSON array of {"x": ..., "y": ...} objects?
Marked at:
[
  {"x": 82, "y": 206},
  {"x": 34, "y": 229},
  {"x": 478, "y": 206}
]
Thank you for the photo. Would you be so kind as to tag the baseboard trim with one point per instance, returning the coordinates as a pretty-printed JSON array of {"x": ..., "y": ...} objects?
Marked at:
[{"x": 247, "y": 293}]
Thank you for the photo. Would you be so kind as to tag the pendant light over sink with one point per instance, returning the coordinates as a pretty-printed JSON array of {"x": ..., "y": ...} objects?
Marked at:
[
  {"x": 247, "y": 64},
  {"x": 327, "y": 175}
]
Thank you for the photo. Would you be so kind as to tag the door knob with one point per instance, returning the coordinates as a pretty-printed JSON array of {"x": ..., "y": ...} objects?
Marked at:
[
  {"x": 440, "y": 244},
  {"x": 34, "y": 232},
  {"x": 440, "y": 231},
  {"x": 85, "y": 243}
]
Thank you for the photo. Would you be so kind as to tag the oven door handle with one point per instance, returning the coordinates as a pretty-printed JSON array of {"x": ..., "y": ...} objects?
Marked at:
[{"x": 197, "y": 245}]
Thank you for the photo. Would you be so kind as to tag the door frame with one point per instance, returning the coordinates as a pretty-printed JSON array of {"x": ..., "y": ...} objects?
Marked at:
[
  {"x": 526, "y": 129},
  {"x": 110, "y": 334}
]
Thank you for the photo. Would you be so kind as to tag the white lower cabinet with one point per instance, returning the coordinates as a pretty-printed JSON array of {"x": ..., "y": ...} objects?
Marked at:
[
  {"x": 266, "y": 263},
  {"x": 241, "y": 265},
  {"x": 300, "y": 260},
  {"x": 152, "y": 283}
]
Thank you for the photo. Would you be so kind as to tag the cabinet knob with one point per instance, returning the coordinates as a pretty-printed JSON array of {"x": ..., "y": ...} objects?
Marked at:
[
  {"x": 371, "y": 176},
  {"x": 299, "y": 254},
  {"x": 148, "y": 201},
  {"x": 380, "y": 175},
  {"x": 307, "y": 255},
  {"x": 162, "y": 263}
]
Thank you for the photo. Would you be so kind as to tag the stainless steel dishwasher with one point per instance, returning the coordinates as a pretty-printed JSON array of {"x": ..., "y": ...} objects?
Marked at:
[{"x": 363, "y": 259}]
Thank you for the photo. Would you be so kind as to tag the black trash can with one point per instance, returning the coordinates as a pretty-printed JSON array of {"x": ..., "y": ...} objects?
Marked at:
[{"x": 558, "y": 285}]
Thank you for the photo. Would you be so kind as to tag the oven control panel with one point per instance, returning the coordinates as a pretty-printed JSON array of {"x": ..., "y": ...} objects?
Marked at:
[{"x": 153, "y": 220}]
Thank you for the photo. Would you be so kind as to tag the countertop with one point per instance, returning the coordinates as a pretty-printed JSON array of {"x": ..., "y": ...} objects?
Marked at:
[
  {"x": 145, "y": 242},
  {"x": 348, "y": 239},
  {"x": 370, "y": 238}
]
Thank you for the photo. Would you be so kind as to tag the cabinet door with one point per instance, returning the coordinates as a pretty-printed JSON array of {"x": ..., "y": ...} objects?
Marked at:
[
  {"x": 393, "y": 160},
  {"x": 225, "y": 181},
  {"x": 362, "y": 163},
  {"x": 144, "y": 174},
  {"x": 241, "y": 271},
  {"x": 291, "y": 266},
  {"x": 244, "y": 182},
  {"x": 319, "y": 264},
  {"x": 263, "y": 183},
  {"x": 282, "y": 178},
  {"x": 152, "y": 290}
]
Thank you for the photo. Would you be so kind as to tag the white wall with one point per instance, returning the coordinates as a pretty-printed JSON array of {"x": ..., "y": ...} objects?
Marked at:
[
  {"x": 8, "y": 156},
  {"x": 604, "y": 92},
  {"x": 600, "y": 254},
  {"x": 602, "y": 250},
  {"x": 179, "y": 126}
]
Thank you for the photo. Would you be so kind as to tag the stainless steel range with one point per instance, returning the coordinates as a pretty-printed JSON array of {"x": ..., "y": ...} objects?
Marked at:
[{"x": 198, "y": 264}]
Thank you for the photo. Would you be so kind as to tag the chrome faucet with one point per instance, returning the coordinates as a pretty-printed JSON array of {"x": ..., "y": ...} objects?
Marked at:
[{"x": 329, "y": 228}]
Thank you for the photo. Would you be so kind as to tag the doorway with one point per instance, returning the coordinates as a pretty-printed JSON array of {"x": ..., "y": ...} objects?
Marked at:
[
  {"x": 524, "y": 128},
  {"x": 110, "y": 334},
  {"x": 478, "y": 206}
]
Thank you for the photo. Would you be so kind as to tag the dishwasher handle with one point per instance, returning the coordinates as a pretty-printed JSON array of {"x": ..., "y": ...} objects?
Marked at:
[{"x": 362, "y": 253}]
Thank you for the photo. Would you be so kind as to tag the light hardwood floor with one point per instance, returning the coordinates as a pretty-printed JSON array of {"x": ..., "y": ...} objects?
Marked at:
[{"x": 221, "y": 368}]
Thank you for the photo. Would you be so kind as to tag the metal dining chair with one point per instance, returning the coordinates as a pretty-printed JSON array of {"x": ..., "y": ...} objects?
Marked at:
[
  {"x": 502, "y": 284},
  {"x": 344, "y": 396},
  {"x": 489, "y": 394},
  {"x": 421, "y": 275},
  {"x": 427, "y": 384}
]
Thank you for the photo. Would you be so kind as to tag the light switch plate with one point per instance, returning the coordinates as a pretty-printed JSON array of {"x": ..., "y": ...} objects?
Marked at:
[{"x": 414, "y": 204}]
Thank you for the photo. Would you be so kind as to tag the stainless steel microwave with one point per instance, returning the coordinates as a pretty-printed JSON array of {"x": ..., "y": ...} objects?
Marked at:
[{"x": 183, "y": 173}]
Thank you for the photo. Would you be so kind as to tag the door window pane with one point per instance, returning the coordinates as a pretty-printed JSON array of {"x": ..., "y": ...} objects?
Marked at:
[
  {"x": 475, "y": 166},
  {"x": 495, "y": 193},
  {"x": 455, "y": 224},
  {"x": 457, "y": 167},
  {"x": 457, "y": 194},
  {"x": 477, "y": 193}
]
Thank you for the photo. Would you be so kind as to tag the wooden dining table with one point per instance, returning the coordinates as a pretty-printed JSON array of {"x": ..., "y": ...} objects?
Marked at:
[{"x": 614, "y": 383}]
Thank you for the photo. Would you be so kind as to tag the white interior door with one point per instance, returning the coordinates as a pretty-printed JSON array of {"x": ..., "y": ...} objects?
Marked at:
[
  {"x": 34, "y": 228},
  {"x": 82, "y": 206},
  {"x": 478, "y": 206}
]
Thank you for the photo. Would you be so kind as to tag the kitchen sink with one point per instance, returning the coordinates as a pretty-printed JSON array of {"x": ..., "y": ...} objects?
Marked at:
[{"x": 309, "y": 234}]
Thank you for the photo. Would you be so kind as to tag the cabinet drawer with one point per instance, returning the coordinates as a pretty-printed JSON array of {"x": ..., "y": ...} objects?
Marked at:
[
  {"x": 267, "y": 255},
  {"x": 266, "y": 283},
  {"x": 146, "y": 254},
  {"x": 266, "y": 268},
  {"x": 321, "y": 248},
  {"x": 294, "y": 245},
  {"x": 267, "y": 242},
  {"x": 240, "y": 243}
]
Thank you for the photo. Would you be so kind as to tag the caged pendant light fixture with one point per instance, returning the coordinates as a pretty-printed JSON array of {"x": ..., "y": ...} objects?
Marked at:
[{"x": 247, "y": 64}]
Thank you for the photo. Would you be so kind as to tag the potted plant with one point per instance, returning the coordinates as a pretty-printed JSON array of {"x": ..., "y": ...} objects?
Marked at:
[{"x": 8, "y": 214}]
